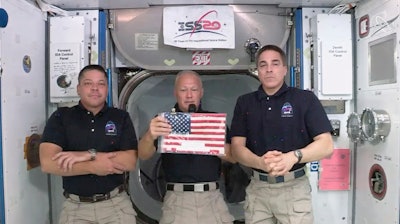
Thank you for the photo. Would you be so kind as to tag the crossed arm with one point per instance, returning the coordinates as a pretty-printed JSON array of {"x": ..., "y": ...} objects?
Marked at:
[{"x": 72, "y": 163}]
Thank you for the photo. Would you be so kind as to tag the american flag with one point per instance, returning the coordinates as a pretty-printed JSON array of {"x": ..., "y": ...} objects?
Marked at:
[{"x": 194, "y": 133}]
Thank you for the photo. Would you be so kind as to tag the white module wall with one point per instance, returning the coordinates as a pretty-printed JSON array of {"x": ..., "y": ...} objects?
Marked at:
[
  {"x": 23, "y": 111},
  {"x": 329, "y": 206},
  {"x": 378, "y": 88}
]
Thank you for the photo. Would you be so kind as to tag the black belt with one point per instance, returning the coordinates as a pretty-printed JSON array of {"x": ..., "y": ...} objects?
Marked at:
[
  {"x": 95, "y": 197},
  {"x": 197, "y": 187},
  {"x": 279, "y": 179}
]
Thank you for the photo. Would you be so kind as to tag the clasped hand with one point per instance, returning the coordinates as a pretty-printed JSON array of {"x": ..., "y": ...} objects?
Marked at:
[{"x": 276, "y": 163}]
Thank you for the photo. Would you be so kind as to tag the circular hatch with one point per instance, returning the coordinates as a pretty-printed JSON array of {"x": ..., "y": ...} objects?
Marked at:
[
  {"x": 354, "y": 130},
  {"x": 375, "y": 124}
]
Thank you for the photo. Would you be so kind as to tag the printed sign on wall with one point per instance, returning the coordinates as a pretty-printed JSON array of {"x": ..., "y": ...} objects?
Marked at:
[
  {"x": 65, "y": 64},
  {"x": 199, "y": 27}
]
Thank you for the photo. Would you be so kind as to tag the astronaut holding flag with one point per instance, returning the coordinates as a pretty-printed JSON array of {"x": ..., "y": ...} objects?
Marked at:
[{"x": 193, "y": 194}]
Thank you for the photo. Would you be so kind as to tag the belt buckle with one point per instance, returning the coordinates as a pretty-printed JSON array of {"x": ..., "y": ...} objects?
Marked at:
[
  {"x": 198, "y": 187},
  {"x": 99, "y": 197},
  {"x": 272, "y": 179}
]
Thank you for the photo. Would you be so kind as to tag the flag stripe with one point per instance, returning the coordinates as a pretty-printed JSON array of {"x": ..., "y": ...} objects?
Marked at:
[
  {"x": 193, "y": 151},
  {"x": 209, "y": 115},
  {"x": 215, "y": 145},
  {"x": 206, "y": 127},
  {"x": 194, "y": 138},
  {"x": 208, "y": 121},
  {"x": 206, "y": 133}
]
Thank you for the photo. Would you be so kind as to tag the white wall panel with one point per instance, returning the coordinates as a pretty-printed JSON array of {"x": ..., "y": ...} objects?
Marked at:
[
  {"x": 329, "y": 206},
  {"x": 383, "y": 22},
  {"x": 22, "y": 111}
]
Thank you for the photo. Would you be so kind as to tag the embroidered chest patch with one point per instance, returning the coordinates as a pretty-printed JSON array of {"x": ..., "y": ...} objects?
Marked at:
[
  {"x": 110, "y": 128},
  {"x": 287, "y": 110}
]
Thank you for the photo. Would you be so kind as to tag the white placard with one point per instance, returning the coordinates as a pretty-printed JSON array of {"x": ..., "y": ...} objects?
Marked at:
[
  {"x": 336, "y": 64},
  {"x": 65, "y": 64},
  {"x": 146, "y": 41}
]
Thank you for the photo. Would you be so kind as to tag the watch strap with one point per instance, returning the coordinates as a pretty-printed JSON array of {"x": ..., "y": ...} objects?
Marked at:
[
  {"x": 299, "y": 155},
  {"x": 93, "y": 153}
]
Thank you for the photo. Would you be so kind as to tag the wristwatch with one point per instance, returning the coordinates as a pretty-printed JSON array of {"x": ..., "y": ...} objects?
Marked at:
[
  {"x": 299, "y": 155},
  {"x": 93, "y": 153}
]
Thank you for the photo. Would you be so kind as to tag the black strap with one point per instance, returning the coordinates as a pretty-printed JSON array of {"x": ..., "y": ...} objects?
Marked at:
[{"x": 190, "y": 187}]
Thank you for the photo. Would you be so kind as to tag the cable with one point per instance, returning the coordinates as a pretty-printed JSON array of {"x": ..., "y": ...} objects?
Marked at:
[{"x": 342, "y": 8}]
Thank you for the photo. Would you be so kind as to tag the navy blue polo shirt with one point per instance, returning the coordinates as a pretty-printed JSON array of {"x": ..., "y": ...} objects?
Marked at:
[
  {"x": 285, "y": 121},
  {"x": 76, "y": 129},
  {"x": 189, "y": 168}
]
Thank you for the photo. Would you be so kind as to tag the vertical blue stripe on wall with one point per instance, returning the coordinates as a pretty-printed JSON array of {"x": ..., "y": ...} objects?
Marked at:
[
  {"x": 102, "y": 53},
  {"x": 299, "y": 45}
]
